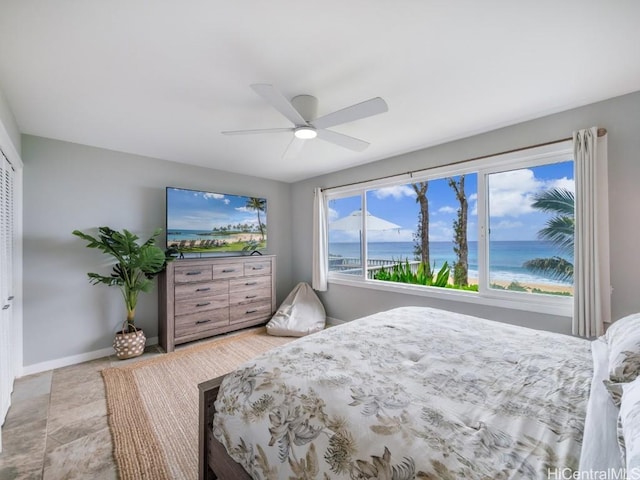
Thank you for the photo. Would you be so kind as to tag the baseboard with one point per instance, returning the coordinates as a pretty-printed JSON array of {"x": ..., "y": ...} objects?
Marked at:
[{"x": 72, "y": 360}]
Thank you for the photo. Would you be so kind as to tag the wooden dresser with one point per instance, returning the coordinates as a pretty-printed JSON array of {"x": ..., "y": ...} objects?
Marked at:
[{"x": 203, "y": 297}]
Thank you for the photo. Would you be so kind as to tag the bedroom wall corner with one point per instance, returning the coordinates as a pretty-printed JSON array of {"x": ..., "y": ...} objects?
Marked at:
[{"x": 70, "y": 186}]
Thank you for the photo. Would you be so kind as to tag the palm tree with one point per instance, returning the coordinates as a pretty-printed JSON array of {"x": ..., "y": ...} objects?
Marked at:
[
  {"x": 461, "y": 246},
  {"x": 559, "y": 230},
  {"x": 259, "y": 205},
  {"x": 421, "y": 249}
]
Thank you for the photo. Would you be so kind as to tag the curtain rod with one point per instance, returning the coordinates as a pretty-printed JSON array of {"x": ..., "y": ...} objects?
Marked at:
[{"x": 601, "y": 133}]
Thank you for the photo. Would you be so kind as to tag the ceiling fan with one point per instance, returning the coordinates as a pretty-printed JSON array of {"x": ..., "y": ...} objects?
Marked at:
[{"x": 301, "y": 111}]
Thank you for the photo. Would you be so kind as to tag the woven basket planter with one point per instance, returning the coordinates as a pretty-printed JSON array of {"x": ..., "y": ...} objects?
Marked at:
[{"x": 129, "y": 345}]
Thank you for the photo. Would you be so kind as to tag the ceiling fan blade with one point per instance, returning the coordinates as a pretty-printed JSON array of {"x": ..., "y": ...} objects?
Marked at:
[
  {"x": 368, "y": 108},
  {"x": 263, "y": 130},
  {"x": 346, "y": 141},
  {"x": 294, "y": 148},
  {"x": 278, "y": 101}
]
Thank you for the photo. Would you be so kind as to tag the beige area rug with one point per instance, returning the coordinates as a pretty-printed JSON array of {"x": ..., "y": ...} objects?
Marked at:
[{"x": 152, "y": 405}]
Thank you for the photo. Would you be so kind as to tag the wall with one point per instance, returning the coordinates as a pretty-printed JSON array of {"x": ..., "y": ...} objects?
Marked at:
[
  {"x": 621, "y": 117},
  {"x": 8, "y": 126},
  {"x": 69, "y": 186}
]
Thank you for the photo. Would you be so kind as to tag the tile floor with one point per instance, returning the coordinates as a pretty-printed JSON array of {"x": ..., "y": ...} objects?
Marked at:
[{"x": 57, "y": 427}]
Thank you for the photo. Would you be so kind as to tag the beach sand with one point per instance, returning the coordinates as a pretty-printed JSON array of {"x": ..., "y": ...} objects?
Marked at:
[
  {"x": 244, "y": 237},
  {"x": 543, "y": 287},
  {"x": 234, "y": 238}
]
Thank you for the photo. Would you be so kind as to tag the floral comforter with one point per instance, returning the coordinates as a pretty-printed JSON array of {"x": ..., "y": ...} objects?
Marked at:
[{"x": 410, "y": 393}]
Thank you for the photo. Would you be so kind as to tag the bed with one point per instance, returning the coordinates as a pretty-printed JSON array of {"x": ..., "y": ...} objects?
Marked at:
[{"x": 413, "y": 393}]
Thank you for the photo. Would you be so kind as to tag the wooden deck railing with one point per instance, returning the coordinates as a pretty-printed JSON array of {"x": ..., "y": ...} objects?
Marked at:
[{"x": 353, "y": 265}]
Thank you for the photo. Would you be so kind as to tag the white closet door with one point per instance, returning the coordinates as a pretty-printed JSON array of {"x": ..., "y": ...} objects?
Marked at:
[{"x": 7, "y": 373}]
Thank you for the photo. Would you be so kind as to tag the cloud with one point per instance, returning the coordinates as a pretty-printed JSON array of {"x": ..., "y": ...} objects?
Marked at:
[
  {"x": 440, "y": 232},
  {"x": 511, "y": 193},
  {"x": 562, "y": 183},
  {"x": 396, "y": 192},
  {"x": 215, "y": 196},
  {"x": 332, "y": 213},
  {"x": 447, "y": 209},
  {"x": 473, "y": 204},
  {"x": 506, "y": 225}
]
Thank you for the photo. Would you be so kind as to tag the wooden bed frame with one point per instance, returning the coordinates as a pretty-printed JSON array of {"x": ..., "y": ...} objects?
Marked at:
[{"x": 213, "y": 460}]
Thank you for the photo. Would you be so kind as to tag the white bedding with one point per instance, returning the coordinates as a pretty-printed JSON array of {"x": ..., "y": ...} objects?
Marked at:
[
  {"x": 600, "y": 450},
  {"x": 411, "y": 393}
]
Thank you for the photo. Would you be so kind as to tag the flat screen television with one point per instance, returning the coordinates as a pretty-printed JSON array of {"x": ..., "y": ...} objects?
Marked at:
[{"x": 204, "y": 223}]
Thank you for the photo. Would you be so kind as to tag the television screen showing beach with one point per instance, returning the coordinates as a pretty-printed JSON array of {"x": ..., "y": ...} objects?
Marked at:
[{"x": 207, "y": 222}]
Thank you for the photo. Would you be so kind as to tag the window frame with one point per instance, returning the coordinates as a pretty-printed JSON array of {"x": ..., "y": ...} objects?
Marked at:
[{"x": 533, "y": 157}]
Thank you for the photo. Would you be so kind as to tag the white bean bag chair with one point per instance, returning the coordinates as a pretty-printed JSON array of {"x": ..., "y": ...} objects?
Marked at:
[{"x": 300, "y": 314}]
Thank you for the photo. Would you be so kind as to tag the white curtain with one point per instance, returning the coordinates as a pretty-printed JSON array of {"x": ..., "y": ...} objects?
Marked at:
[
  {"x": 591, "y": 254},
  {"x": 320, "y": 257}
]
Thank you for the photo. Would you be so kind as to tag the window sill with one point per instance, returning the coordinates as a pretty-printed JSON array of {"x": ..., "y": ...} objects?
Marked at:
[{"x": 548, "y": 304}]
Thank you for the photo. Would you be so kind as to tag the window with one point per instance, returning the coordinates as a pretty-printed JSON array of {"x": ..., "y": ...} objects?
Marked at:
[
  {"x": 530, "y": 218},
  {"x": 345, "y": 236},
  {"x": 498, "y": 229}
]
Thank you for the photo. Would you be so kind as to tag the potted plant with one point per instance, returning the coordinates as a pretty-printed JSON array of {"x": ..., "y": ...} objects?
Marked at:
[{"x": 136, "y": 266}]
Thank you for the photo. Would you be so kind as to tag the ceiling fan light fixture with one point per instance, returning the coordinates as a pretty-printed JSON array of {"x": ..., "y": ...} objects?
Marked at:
[{"x": 305, "y": 133}]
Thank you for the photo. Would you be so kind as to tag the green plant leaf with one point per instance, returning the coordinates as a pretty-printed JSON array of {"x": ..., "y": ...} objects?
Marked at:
[
  {"x": 151, "y": 259},
  {"x": 442, "y": 278},
  {"x": 136, "y": 264}
]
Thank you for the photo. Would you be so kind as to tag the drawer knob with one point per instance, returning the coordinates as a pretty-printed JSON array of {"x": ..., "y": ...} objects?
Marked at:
[
  {"x": 251, "y": 283},
  {"x": 203, "y": 289},
  {"x": 252, "y": 311},
  {"x": 203, "y": 304},
  {"x": 200, "y": 322},
  {"x": 228, "y": 270},
  {"x": 250, "y": 296},
  {"x": 258, "y": 268},
  {"x": 194, "y": 273}
]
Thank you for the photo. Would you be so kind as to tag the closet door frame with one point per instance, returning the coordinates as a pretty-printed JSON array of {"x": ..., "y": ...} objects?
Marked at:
[{"x": 11, "y": 328}]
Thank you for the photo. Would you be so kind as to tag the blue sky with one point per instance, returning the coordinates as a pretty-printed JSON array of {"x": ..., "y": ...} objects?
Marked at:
[
  {"x": 511, "y": 215},
  {"x": 193, "y": 210}
]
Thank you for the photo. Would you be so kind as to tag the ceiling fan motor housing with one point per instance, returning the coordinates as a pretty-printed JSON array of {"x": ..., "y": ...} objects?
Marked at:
[{"x": 307, "y": 106}]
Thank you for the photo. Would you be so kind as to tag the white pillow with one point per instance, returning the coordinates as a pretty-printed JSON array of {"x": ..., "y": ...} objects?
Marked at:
[
  {"x": 629, "y": 428},
  {"x": 623, "y": 339}
]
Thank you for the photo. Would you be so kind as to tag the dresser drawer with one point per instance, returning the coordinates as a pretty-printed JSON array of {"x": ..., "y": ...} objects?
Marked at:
[
  {"x": 250, "y": 311},
  {"x": 227, "y": 270},
  {"x": 201, "y": 322},
  {"x": 193, "y": 273},
  {"x": 250, "y": 283},
  {"x": 250, "y": 296},
  {"x": 203, "y": 296},
  {"x": 187, "y": 291},
  {"x": 257, "y": 268},
  {"x": 194, "y": 305}
]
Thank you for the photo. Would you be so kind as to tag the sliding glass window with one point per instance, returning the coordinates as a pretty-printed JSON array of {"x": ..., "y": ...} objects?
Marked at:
[
  {"x": 531, "y": 229},
  {"x": 500, "y": 228}
]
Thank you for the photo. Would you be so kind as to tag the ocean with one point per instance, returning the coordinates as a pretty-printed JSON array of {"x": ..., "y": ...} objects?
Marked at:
[
  {"x": 176, "y": 235},
  {"x": 505, "y": 258}
]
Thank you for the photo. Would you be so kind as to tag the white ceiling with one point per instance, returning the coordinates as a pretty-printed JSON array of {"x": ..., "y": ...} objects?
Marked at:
[{"x": 163, "y": 78}]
